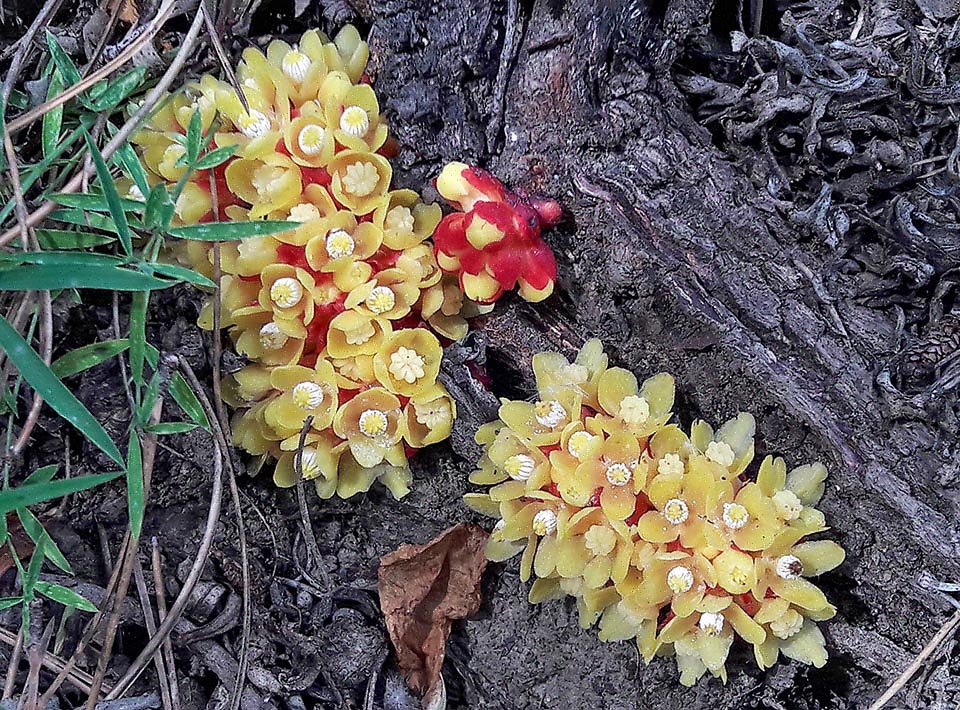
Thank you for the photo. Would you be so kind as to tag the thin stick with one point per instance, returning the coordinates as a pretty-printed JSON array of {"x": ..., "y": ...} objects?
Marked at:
[
  {"x": 151, "y": 626},
  {"x": 149, "y": 102},
  {"x": 11, "y": 678},
  {"x": 213, "y": 515},
  {"x": 161, "y": 596},
  {"x": 46, "y": 13},
  {"x": 51, "y": 662},
  {"x": 46, "y": 339},
  {"x": 918, "y": 662},
  {"x": 313, "y": 550}
]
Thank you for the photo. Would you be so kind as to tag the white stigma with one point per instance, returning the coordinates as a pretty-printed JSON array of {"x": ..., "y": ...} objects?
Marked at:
[
  {"x": 519, "y": 467},
  {"x": 577, "y": 441},
  {"x": 354, "y": 121},
  {"x": 680, "y": 579},
  {"x": 254, "y": 124},
  {"x": 304, "y": 212},
  {"x": 788, "y": 505},
  {"x": 549, "y": 414},
  {"x": 619, "y": 474},
  {"x": 676, "y": 511},
  {"x": 381, "y": 299},
  {"x": 360, "y": 178},
  {"x": 544, "y": 522},
  {"x": 373, "y": 423},
  {"x": 310, "y": 463},
  {"x": 286, "y": 292},
  {"x": 501, "y": 524},
  {"x": 735, "y": 515},
  {"x": 432, "y": 415},
  {"x": 296, "y": 65},
  {"x": 310, "y": 139},
  {"x": 407, "y": 365},
  {"x": 399, "y": 219},
  {"x": 339, "y": 244},
  {"x": 135, "y": 193},
  {"x": 634, "y": 410},
  {"x": 789, "y": 567},
  {"x": 710, "y": 623},
  {"x": 307, "y": 395},
  {"x": 721, "y": 453},
  {"x": 271, "y": 337},
  {"x": 670, "y": 465}
]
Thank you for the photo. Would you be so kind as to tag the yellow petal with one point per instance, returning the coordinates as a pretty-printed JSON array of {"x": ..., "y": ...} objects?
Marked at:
[
  {"x": 807, "y": 482},
  {"x": 653, "y": 527},
  {"x": 801, "y": 592},
  {"x": 772, "y": 475},
  {"x": 819, "y": 556},
  {"x": 482, "y": 503},
  {"x": 806, "y": 646}
]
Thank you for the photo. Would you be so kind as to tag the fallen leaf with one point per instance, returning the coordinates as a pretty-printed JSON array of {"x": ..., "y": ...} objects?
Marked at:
[
  {"x": 128, "y": 11},
  {"x": 423, "y": 589},
  {"x": 21, "y": 543}
]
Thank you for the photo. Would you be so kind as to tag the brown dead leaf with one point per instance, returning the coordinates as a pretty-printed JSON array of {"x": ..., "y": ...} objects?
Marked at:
[
  {"x": 21, "y": 543},
  {"x": 128, "y": 11},
  {"x": 423, "y": 588}
]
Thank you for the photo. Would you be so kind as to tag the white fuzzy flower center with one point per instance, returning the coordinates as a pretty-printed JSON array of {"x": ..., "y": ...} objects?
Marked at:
[
  {"x": 550, "y": 413},
  {"x": 253, "y": 124},
  {"x": 310, "y": 139},
  {"x": 271, "y": 337},
  {"x": 735, "y": 515},
  {"x": 407, "y": 365},
  {"x": 295, "y": 64},
  {"x": 307, "y": 395},
  {"x": 373, "y": 423},
  {"x": 544, "y": 522},
  {"x": 618, "y": 474},
  {"x": 519, "y": 467},
  {"x": 339, "y": 244},
  {"x": 354, "y": 121},
  {"x": 676, "y": 511},
  {"x": 577, "y": 441},
  {"x": 286, "y": 292},
  {"x": 679, "y": 579},
  {"x": 381, "y": 299},
  {"x": 789, "y": 567},
  {"x": 710, "y": 623},
  {"x": 787, "y": 625}
]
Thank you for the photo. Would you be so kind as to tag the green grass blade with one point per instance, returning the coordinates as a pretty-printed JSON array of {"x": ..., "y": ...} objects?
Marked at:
[
  {"x": 41, "y": 538},
  {"x": 113, "y": 197},
  {"x": 48, "y": 258},
  {"x": 33, "y": 570},
  {"x": 118, "y": 89},
  {"x": 41, "y": 475},
  {"x": 132, "y": 166},
  {"x": 65, "y": 596},
  {"x": 52, "y": 278},
  {"x": 92, "y": 201},
  {"x": 87, "y": 356},
  {"x": 184, "y": 396},
  {"x": 57, "y": 396},
  {"x": 68, "y": 70},
  {"x": 22, "y": 496},
  {"x": 216, "y": 157},
  {"x": 8, "y": 602},
  {"x": 135, "y": 484},
  {"x": 180, "y": 273},
  {"x": 68, "y": 239},
  {"x": 166, "y": 428},
  {"x": 194, "y": 136},
  {"x": 52, "y": 120},
  {"x": 230, "y": 231},
  {"x": 138, "y": 337}
]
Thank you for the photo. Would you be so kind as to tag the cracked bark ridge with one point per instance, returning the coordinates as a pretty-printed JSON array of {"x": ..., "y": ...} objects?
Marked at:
[{"x": 679, "y": 259}]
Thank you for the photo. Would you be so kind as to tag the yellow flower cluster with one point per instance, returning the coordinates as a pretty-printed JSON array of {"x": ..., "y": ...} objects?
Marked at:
[
  {"x": 339, "y": 316},
  {"x": 659, "y": 534}
]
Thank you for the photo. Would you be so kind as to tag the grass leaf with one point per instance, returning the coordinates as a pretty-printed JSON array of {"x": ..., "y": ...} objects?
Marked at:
[
  {"x": 181, "y": 273},
  {"x": 65, "y": 596},
  {"x": 92, "y": 201},
  {"x": 41, "y": 475},
  {"x": 22, "y": 496},
  {"x": 57, "y": 396},
  {"x": 165, "y": 428},
  {"x": 113, "y": 197},
  {"x": 68, "y": 239},
  {"x": 135, "y": 500},
  {"x": 53, "y": 119},
  {"x": 87, "y": 356},
  {"x": 41, "y": 538},
  {"x": 33, "y": 570},
  {"x": 7, "y": 602},
  {"x": 216, "y": 157},
  {"x": 55, "y": 277},
  {"x": 68, "y": 70},
  {"x": 118, "y": 89},
  {"x": 229, "y": 231}
]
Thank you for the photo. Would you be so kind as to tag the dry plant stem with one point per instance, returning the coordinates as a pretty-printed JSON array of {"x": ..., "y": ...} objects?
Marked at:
[
  {"x": 130, "y": 51},
  {"x": 24, "y": 305},
  {"x": 225, "y": 64},
  {"x": 19, "y": 204},
  {"x": 213, "y": 515},
  {"x": 11, "y": 678},
  {"x": 46, "y": 338},
  {"x": 948, "y": 628},
  {"x": 223, "y": 432},
  {"x": 167, "y": 648},
  {"x": 171, "y": 75},
  {"x": 105, "y": 37},
  {"x": 53, "y": 663},
  {"x": 126, "y": 560},
  {"x": 46, "y": 13},
  {"x": 313, "y": 550},
  {"x": 151, "y": 625},
  {"x": 38, "y": 648}
]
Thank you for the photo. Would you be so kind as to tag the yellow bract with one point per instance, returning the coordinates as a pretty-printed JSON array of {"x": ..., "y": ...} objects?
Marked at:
[{"x": 609, "y": 502}]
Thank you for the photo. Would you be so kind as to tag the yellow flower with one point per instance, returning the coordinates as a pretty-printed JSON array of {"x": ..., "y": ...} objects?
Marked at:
[
  {"x": 792, "y": 631},
  {"x": 372, "y": 424},
  {"x": 429, "y": 416},
  {"x": 288, "y": 292},
  {"x": 259, "y": 338},
  {"x": 389, "y": 295},
  {"x": 360, "y": 180},
  {"x": 639, "y": 410},
  {"x": 267, "y": 184},
  {"x": 409, "y": 361},
  {"x": 304, "y": 392},
  {"x": 405, "y": 220},
  {"x": 320, "y": 463},
  {"x": 353, "y": 333},
  {"x": 347, "y": 53},
  {"x": 353, "y": 114},
  {"x": 307, "y": 138}
]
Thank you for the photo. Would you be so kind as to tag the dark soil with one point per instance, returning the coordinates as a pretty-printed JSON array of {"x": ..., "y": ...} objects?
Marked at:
[{"x": 779, "y": 226}]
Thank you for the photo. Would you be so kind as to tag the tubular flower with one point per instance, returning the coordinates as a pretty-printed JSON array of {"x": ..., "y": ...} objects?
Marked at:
[
  {"x": 342, "y": 315},
  {"x": 493, "y": 243},
  {"x": 658, "y": 533}
]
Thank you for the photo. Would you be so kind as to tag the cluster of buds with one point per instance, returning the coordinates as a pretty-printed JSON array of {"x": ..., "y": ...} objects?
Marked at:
[
  {"x": 493, "y": 242},
  {"x": 341, "y": 317},
  {"x": 658, "y": 533}
]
